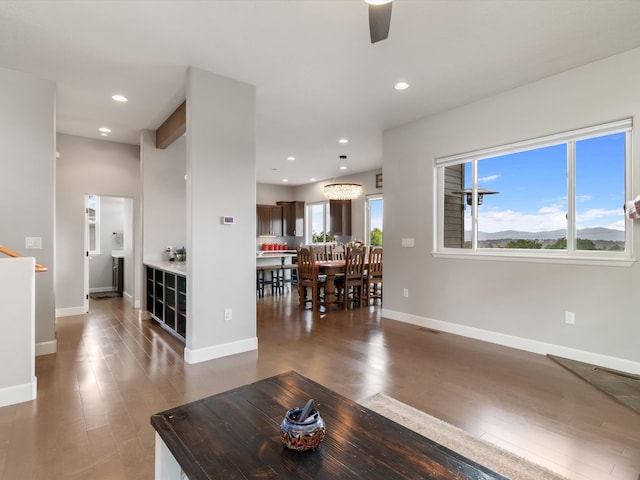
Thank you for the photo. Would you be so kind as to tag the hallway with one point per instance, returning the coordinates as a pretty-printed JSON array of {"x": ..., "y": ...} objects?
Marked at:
[{"x": 112, "y": 371}]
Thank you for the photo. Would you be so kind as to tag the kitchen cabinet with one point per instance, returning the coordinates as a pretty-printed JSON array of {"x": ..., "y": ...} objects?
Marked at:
[
  {"x": 269, "y": 220},
  {"x": 340, "y": 217},
  {"x": 117, "y": 274},
  {"x": 167, "y": 299},
  {"x": 292, "y": 218}
]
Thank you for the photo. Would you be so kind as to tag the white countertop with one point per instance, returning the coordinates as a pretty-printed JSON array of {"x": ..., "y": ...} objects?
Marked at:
[
  {"x": 276, "y": 253},
  {"x": 179, "y": 268}
]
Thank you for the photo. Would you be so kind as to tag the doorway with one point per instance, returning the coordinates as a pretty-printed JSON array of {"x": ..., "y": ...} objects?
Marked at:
[{"x": 109, "y": 247}]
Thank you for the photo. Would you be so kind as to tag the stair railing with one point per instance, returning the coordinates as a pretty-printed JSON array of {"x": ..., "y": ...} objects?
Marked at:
[{"x": 11, "y": 253}]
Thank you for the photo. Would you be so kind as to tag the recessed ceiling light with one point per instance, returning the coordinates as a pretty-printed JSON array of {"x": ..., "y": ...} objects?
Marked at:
[
  {"x": 377, "y": 2},
  {"x": 105, "y": 130},
  {"x": 103, "y": 134},
  {"x": 401, "y": 86},
  {"x": 343, "y": 140},
  {"x": 312, "y": 179},
  {"x": 285, "y": 180},
  {"x": 119, "y": 98},
  {"x": 291, "y": 158}
]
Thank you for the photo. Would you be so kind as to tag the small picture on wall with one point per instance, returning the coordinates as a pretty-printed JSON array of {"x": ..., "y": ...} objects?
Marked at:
[{"x": 378, "y": 180}]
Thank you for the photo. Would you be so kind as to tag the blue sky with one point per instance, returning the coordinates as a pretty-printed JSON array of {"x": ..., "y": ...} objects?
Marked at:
[
  {"x": 532, "y": 187},
  {"x": 376, "y": 214}
]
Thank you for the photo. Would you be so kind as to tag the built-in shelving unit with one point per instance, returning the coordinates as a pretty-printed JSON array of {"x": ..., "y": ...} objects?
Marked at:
[{"x": 167, "y": 299}]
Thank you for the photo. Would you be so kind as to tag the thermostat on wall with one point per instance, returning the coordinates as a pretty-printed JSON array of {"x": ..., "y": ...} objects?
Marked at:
[{"x": 227, "y": 220}]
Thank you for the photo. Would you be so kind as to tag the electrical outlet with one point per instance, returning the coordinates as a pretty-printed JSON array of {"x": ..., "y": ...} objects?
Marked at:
[
  {"x": 570, "y": 318},
  {"x": 405, "y": 292},
  {"x": 227, "y": 314}
]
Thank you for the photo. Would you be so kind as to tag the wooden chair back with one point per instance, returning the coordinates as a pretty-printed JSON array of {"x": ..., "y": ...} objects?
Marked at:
[
  {"x": 354, "y": 266},
  {"x": 337, "y": 252},
  {"x": 306, "y": 264},
  {"x": 308, "y": 278},
  {"x": 374, "y": 266},
  {"x": 373, "y": 277},
  {"x": 320, "y": 253}
]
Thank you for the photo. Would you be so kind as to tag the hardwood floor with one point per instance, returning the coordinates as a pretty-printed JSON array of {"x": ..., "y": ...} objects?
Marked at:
[{"x": 113, "y": 371}]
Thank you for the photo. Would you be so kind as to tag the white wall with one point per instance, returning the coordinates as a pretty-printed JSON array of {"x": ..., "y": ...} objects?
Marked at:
[
  {"x": 103, "y": 168},
  {"x": 17, "y": 320},
  {"x": 111, "y": 220},
  {"x": 267, "y": 194},
  {"x": 27, "y": 135},
  {"x": 519, "y": 304},
  {"x": 220, "y": 181},
  {"x": 165, "y": 196}
]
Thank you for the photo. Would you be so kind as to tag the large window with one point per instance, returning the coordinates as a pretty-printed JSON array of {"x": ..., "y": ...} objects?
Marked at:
[
  {"x": 318, "y": 223},
  {"x": 557, "y": 196},
  {"x": 374, "y": 221}
]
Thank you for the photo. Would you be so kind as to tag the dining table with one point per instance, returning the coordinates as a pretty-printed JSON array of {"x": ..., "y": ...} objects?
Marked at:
[{"x": 330, "y": 268}]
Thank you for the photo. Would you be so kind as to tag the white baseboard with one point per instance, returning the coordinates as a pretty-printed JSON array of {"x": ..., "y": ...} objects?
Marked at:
[
  {"x": 127, "y": 296},
  {"x": 46, "y": 348},
  {"x": 136, "y": 304},
  {"x": 218, "y": 351},
  {"x": 19, "y": 393},
  {"x": 69, "y": 312},
  {"x": 520, "y": 343}
]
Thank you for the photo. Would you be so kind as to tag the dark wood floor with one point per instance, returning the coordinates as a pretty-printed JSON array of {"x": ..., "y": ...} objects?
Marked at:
[{"x": 113, "y": 370}]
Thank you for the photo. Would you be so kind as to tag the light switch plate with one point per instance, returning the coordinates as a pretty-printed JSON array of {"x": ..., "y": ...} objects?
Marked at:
[
  {"x": 32, "y": 242},
  {"x": 408, "y": 242}
]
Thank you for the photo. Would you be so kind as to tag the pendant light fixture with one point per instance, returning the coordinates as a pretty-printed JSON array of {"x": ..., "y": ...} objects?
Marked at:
[{"x": 342, "y": 191}]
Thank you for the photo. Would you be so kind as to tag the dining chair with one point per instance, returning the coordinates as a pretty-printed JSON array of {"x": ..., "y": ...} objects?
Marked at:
[
  {"x": 350, "y": 285},
  {"x": 308, "y": 279},
  {"x": 337, "y": 252},
  {"x": 320, "y": 253},
  {"x": 373, "y": 276}
]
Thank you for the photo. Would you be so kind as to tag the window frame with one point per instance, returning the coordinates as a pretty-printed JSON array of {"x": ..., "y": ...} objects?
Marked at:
[
  {"x": 367, "y": 220},
  {"x": 309, "y": 222},
  {"x": 95, "y": 223},
  {"x": 571, "y": 255}
]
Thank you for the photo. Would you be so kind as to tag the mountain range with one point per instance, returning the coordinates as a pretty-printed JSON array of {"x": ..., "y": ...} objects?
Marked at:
[{"x": 596, "y": 233}]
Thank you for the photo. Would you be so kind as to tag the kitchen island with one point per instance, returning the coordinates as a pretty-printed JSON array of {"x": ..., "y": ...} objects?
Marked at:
[
  {"x": 167, "y": 295},
  {"x": 273, "y": 267}
]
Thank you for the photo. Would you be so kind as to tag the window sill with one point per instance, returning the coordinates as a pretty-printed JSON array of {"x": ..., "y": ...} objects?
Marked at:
[{"x": 502, "y": 256}]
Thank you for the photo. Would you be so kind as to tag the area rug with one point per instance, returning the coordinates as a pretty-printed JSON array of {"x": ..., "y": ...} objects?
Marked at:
[
  {"x": 623, "y": 387},
  {"x": 99, "y": 295},
  {"x": 480, "y": 451}
]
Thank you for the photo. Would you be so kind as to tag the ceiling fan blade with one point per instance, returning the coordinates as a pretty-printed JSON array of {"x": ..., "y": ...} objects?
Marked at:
[{"x": 379, "y": 21}]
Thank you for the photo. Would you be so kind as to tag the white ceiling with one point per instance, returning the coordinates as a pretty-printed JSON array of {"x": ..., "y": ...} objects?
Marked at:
[{"x": 318, "y": 77}]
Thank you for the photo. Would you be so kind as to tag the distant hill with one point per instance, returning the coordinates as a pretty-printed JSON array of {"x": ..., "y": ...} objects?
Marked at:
[{"x": 597, "y": 233}]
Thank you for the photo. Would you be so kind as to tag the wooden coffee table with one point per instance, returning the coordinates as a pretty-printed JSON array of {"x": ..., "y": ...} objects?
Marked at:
[{"x": 235, "y": 435}]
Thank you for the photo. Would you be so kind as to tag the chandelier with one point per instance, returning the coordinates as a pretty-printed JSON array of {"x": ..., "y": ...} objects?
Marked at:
[{"x": 342, "y": 191}]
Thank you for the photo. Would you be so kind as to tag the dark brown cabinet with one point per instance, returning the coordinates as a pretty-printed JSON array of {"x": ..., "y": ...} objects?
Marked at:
[
  {"x": 292, "y": 218},
  {"x": 117, "y": 275},
  {"x": 340, "y": 217},
  {"x": 269, "y": 220},
  {"x": 167, "y": 300}
]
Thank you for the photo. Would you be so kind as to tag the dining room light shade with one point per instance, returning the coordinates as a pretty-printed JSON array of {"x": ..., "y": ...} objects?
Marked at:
[{"x": 342, "y": 191}]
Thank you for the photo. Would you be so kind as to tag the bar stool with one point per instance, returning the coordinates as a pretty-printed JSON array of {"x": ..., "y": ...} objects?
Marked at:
[
  {"x": 293, "y": 275},
  {"x": 272, "y": 275}
]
